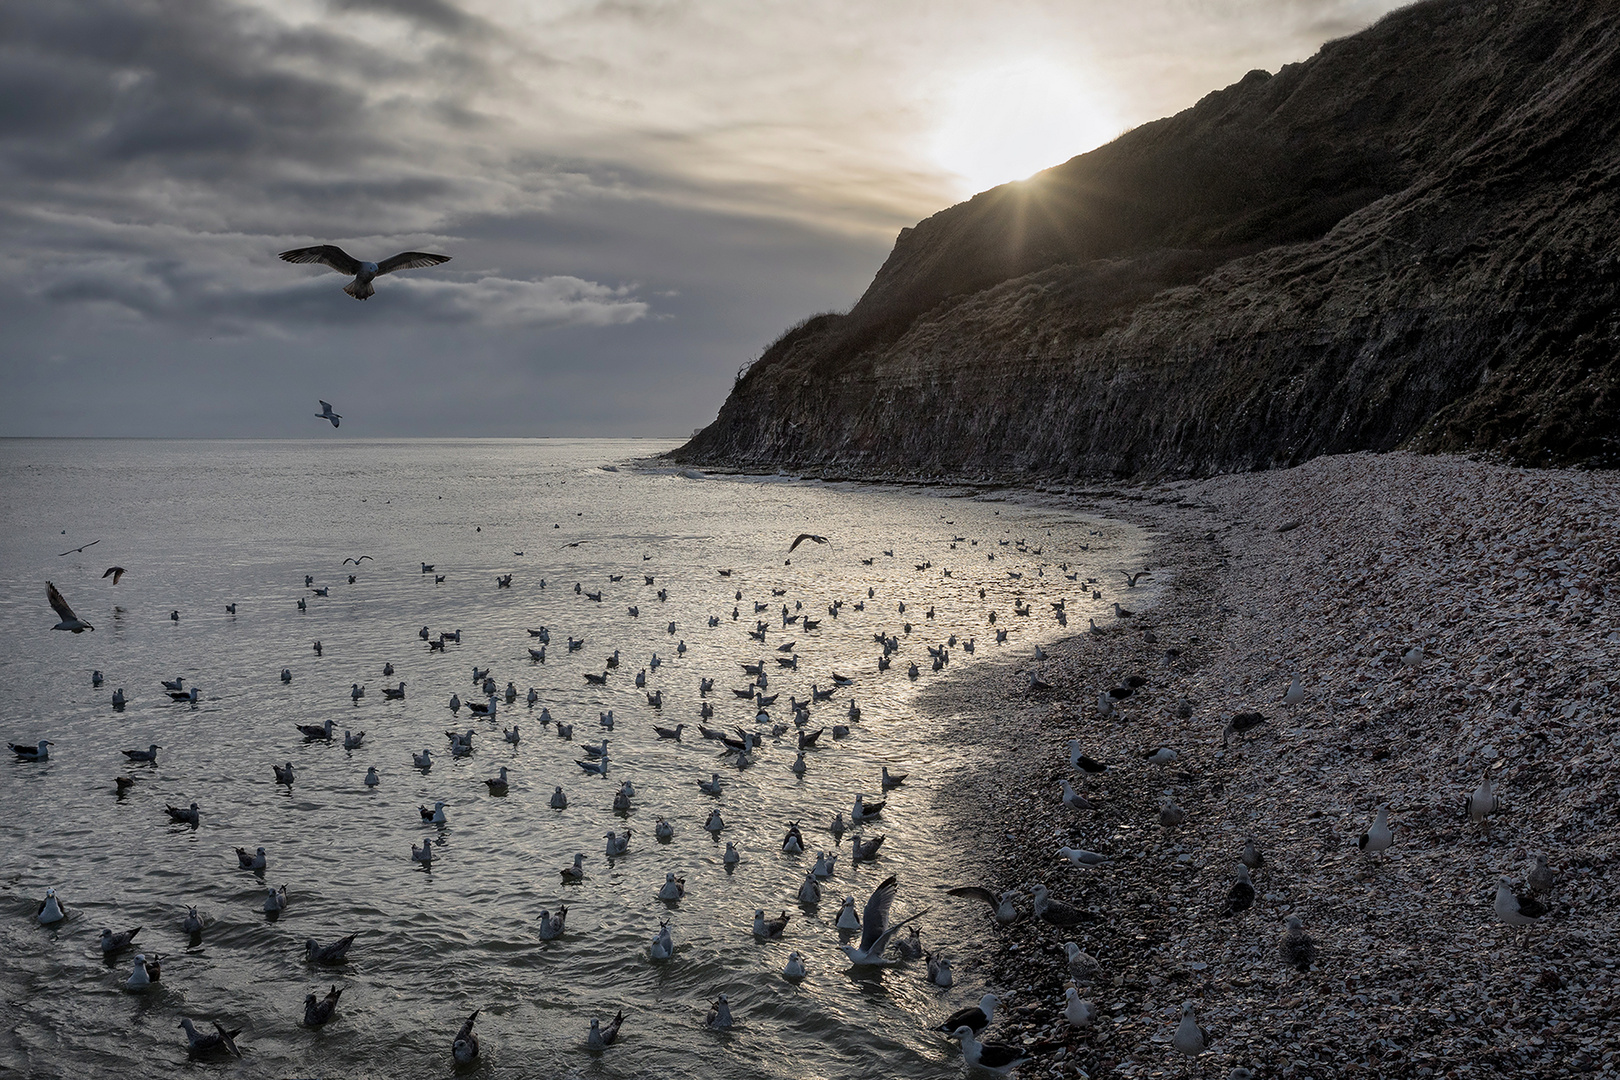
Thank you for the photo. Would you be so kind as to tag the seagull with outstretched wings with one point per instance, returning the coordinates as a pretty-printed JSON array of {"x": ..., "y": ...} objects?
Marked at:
[
  {"x": 69, "y": 621},
  {"x": 115, "y": 572},
  {"x": 363, "y": 272},
  {"x": 326, "y": 413},
  {"x": 802, "y": 537}
]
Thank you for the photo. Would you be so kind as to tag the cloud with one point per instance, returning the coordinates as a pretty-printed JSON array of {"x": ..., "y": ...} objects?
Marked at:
[{"x": 744, "y": 164}]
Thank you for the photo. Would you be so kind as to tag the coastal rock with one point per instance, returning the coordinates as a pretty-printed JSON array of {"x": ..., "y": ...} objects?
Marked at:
[{"x": 1406, "y": 241}]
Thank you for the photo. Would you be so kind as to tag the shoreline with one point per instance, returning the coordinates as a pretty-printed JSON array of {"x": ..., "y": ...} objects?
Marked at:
[{"x": 1509, "y": 580}]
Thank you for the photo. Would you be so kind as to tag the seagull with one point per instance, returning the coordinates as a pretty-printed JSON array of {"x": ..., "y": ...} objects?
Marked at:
[
  {"x": 1189, "y": 1039},
  {"x": 674, "y": 888},
  {"x": 352, "y": 741},
  {"x": 326, "y": 413},
  {"x": 1241, "y": 896},
  {"x": 551, "y": 927},
  {"x": 1081, "y": 858},
  {"x": 316, "y": 953},
  {"x": 1057, "y": 912},
  {"x": 876, "y": 931},
  {"x": 1001, "y": 1058},
  {"x": 194, "y": 921},
  {"x": 184, "y": 816},
  {"x": 284, "y": 773},
  {"x": 204, "y": 1044},
  {"x": 1078, "y": 1013},
  {"x": 69, "y": 621},
  {"x": 318, "y": 1012},
  {"x": 115, "y": 572},
  {"x": 1082, "y": 965},
  {"x": 663, "y": 946},
  {"x": 73, "y": 551},
  {"x": 465, "y": 1046},
  {"x": 1295, "y": 692},
  {"x": 1170, "y": 815},
  {"x": 975, "y": 1017},
  {"x": 1161, "y": 756},
  {"x": 720, "y": 1014},
  {"x": 434, "y": 816},
  {"x": 1251, "y": 856},
  {"x": 1297, "y": 948},
  {"x": 1540, "y": 878},
  {"x": 892, "y": 781},
  {"x": 497, "y": 785},
  {"x": 866, "y": 851},
  {"x": 255, "y": 861},
  {"x": 1240, "y": 724},
  {"x": 794, "y": 971},
  {"x": 275, "y": 900},
  {"x": 113, "y": 943},
  {"x": 864, "y": 809},
  {"x": 577, "y": 871},
  {"x": 424, "y": 760},
  {"x": 802, "y": 537},
  {"x": 1481, "y": 803},
  {"x": 37, "y": 752},
  {"x": 144, "y": 974},
  {"x": 768, "y": 929},
  {"x": 559, "y": 801},
  {"x": 1074, "y": 800},
  {"x": 1516, "y": 910},
  {"x": 600, "y": 1038},
  {"x": 1002, "y": 906},
  {"x": 360, "y": 288},
  {"x": 372, "y": 780},
  {"x": 1378, "y": 835}
]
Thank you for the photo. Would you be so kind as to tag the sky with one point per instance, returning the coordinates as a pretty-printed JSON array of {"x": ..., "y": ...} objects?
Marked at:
[{"x": 638, "y": 195}]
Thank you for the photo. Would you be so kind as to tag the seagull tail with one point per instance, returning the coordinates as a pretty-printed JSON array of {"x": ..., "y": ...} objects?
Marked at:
[{"x": 359, "y": 289}]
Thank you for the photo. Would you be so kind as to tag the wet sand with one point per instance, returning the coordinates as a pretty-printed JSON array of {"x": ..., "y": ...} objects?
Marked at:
[{"x": 1508, "y": 580}]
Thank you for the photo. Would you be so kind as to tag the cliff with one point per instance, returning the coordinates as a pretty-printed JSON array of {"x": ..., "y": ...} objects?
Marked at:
[{"x": 1406, "y": 241}]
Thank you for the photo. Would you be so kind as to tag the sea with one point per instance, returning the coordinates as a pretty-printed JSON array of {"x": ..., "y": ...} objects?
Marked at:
[{"x": 333, "y": 555}]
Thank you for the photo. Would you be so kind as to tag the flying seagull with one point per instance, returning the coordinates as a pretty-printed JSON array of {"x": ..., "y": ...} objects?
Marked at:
[
  {"x": 335, "y": 257},
  {"x": 326, "y": 413},
  {"x": 802, "y": 537},
  {"x": 115, "y": 572},
  {"x": 93, "y": 543},
  {"x": 69, "y": 621}
]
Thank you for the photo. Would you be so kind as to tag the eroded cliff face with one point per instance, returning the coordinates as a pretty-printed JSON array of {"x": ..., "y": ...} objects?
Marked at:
[{"x": 1408, "y": 240}]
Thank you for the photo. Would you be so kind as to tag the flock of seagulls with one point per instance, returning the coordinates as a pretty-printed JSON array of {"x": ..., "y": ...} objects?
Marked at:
[{"x": 870, "y": 935}]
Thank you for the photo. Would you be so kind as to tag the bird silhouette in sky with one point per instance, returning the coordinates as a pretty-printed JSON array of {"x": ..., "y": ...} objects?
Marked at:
[{"x": 363, "y": 272}]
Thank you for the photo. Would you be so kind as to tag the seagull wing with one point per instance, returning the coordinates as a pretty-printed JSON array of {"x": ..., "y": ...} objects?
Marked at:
[
  {"x": 976, "y": 892},
  {"x": 325, "y": 254},
  {"x": 59, "y": 604},
  {"x": 875, "y": 918},
  {"x": 410, "y": 260}
]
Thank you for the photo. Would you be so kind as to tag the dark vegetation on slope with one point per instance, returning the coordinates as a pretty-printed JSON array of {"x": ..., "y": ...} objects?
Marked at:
[{"x": 1406, "y": 241}]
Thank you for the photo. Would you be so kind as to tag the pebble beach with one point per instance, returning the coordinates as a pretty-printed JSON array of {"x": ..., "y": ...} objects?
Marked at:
[{"x": 1504, "y": 581}]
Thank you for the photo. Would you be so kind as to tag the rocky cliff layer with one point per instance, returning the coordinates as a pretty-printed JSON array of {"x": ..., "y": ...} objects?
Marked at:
[{"x": 1407, "y": 240}]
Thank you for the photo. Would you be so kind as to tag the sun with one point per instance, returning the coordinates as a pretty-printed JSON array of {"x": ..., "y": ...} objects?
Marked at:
[{"x": 1007, "y": 122}]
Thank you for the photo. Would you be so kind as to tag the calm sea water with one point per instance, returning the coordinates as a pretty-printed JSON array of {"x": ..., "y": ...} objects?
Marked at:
[{"x": 200, "y": 525}]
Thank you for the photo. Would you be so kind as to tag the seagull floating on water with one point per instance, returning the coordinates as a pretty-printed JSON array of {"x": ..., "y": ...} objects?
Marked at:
[
  {"x": 317, "y": 1012},
  {"x": 600, "y": 1038},
  {"x": 255, "y": 861},
  {"x": 202, "y": 1045},
  {"x": 464, "y": 1047},
  {"x": 40, "y": 751},
  {"x": 551, "y": 926},
  {"x": 335, "y": 953},
  {"x": 114, "y": 943},
  {"x": 360, "y": 288}
]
